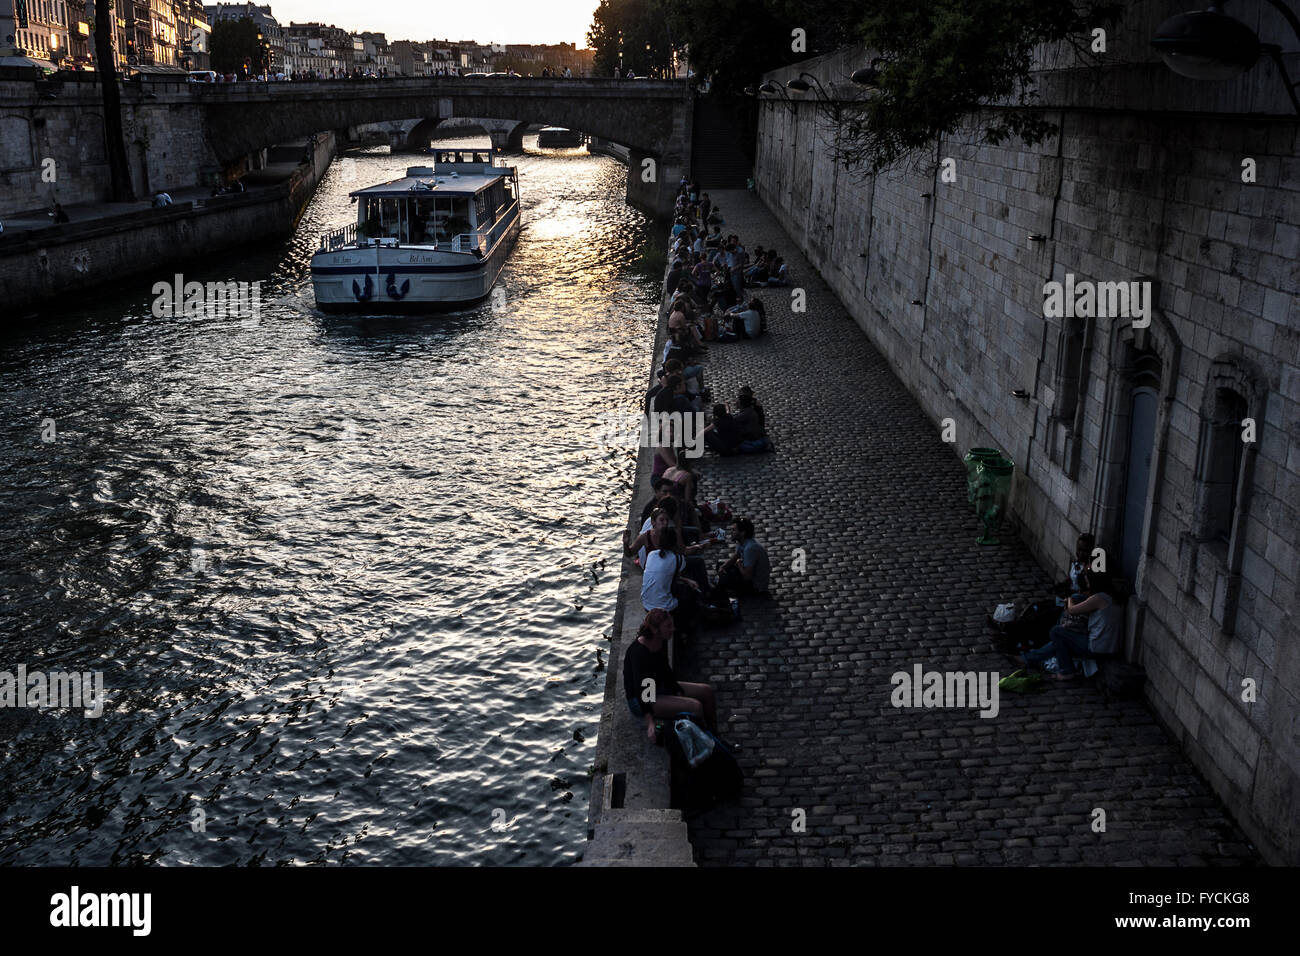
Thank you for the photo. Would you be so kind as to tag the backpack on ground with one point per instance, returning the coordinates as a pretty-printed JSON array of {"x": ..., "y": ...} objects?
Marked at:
[{"x": 716, "y": 779}]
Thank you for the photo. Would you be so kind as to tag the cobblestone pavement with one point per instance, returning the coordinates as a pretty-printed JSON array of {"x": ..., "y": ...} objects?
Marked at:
[{"x": 862, "y": 482}]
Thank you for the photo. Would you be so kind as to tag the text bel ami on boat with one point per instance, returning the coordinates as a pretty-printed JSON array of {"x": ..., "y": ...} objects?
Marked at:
[{"x": 435, "y": 239}]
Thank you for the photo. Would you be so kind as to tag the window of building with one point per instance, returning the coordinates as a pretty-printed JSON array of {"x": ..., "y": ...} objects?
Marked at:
[{"x": 1222, "y": 455}]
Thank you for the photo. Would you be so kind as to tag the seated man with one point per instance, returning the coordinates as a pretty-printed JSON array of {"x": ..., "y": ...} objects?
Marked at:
[
  {"x": 746, "y": 572},
  {"x": 663, "y": 489},
  {"x": 674, "y": 276},
  {"x": 651, "y": 687},
  {"x": 672, "y": 397},
  {"x": 752, "y": 424},
  {"x": 723, "y": 434},
  {"x": 747, "y": 319},
  {"x": 778, "y": 274}
]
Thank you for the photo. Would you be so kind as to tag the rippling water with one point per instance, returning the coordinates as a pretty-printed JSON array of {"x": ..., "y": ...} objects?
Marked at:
[{"x": 346, "y": 579}]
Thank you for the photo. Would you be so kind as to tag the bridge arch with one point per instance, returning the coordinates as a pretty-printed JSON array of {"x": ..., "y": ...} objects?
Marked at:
[{"x": 651, "y": 117}]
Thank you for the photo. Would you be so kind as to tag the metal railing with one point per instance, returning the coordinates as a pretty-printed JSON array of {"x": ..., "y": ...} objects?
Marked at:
[{"x": 339, "y": 238}]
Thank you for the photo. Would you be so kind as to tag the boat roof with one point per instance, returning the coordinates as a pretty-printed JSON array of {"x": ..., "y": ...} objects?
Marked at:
[{"x": 444, "y": 181}]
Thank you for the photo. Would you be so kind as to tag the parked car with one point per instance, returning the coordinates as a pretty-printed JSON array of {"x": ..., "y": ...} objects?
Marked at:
[{"x": 202, "y": 76}]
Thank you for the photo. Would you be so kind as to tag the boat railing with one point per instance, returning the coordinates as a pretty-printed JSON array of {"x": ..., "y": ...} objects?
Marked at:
[
  {"x": 339, "y": 238},
  {"x": 465, "y": 242}
]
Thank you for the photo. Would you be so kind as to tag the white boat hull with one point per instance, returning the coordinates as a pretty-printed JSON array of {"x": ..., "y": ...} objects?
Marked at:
[{"x": 403, "y": 279}]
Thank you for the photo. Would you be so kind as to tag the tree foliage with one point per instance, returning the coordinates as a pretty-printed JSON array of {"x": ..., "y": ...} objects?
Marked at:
[
  {"x": 233, "y": 41},
  {"x": 636, "y": 28},
  {"x": 941, "y": 60},
  {"x": 946, "y": 59}
]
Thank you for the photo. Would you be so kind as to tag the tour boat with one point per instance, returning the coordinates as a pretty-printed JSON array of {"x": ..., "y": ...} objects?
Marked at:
[
  {"x": 433, "y": 240},
  {"x": 558, "y": 136}
]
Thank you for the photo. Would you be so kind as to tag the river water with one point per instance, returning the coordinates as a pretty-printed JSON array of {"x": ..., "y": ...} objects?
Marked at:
[{"x": 346, "y": 579}]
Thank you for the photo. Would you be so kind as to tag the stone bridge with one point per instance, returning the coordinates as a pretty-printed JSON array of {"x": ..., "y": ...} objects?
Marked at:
[
  {"x": 181, "y": 134},
  {"x": 415, "y": 134}
]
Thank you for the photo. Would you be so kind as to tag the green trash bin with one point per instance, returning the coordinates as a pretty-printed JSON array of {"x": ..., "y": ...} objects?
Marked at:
[
  {"x": 991, "y": 493},
  {"x": 972, "y": 459}
]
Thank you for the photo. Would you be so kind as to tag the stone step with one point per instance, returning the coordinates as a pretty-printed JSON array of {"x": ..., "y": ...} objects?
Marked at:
[{"x": 659, "y": 842}]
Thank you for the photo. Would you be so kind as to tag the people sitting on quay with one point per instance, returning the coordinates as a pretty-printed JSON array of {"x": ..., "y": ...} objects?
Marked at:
[
  {"x": 650, "y": 685},
  {"x": 1091, "y": 627},
  {"x": 1031, "y": 629},
  {"x": 666, "y": 585}
]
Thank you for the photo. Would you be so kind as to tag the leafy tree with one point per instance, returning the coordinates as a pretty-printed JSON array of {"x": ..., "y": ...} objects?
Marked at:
[
  {"x": 946, "y": 59},
  {"x": 941, "y": 60},
  {"x": 647, "y": 45},
  {"x": 232, "y": 42},
  {"x": 734, "y": 42}
]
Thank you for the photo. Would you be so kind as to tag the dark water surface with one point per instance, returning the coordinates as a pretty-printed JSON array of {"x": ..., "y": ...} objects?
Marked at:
[{"x": 346, "y": 579}]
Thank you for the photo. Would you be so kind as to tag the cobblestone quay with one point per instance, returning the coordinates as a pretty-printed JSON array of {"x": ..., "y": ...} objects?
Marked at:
[{"x": 862, "y": 482}]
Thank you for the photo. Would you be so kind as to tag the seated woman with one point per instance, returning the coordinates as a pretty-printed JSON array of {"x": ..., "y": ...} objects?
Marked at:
[
  {"x": 1031, "y": 629},
  {"x": 1101, "y": 637},
  {"x": 651, "y": 687},
  {"x": 664, "y": 585},
  {"x": 684, "y": 478},
  {"x": 665, "y": 458}
]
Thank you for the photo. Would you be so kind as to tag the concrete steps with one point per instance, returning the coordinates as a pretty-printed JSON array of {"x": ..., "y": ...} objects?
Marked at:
[{"x": 639, "y": 838}]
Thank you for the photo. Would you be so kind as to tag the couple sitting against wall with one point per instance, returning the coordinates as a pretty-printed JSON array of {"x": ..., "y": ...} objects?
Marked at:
[
  {"x": 1090, "y": 626},
  {"x": 742, "y": 432}
]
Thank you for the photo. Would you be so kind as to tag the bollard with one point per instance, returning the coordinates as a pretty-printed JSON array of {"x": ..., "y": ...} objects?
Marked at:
[
  {"x": 972, "y": 460},
  {"x": 991, "y": 492}
]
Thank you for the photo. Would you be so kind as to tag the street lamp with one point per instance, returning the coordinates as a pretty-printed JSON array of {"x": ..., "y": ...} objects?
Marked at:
[
  {"x": 773, "y": 89},
  {"x": 1210, "y": 45},
  {"x": 868, "y": 76}
]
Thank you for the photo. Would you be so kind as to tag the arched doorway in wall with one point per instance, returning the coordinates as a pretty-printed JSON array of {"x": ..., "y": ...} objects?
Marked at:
[{"x": 1141, "y": 375}]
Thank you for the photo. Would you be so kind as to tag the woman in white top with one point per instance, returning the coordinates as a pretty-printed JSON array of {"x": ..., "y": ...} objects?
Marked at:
[{"x": 661, "y": 568}]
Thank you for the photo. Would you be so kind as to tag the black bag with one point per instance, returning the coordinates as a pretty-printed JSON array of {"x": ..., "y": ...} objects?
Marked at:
[
  {"x": 1119, "y": 680},
  {"x": 717, "y": 780}
]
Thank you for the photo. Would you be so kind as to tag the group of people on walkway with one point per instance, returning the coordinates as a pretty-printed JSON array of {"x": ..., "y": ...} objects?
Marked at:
[
  {"x": 679, "y": 590},
  {"x": 1084, "y": 624}
]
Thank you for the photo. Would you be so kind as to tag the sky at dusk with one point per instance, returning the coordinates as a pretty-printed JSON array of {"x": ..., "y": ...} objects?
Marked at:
[{"x": 494, "y": 21}]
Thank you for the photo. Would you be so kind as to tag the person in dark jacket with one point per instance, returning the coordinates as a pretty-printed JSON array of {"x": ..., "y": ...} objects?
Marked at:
[
  {"x": 723, "y": 434},
  {"x": 651, "y": 687}
]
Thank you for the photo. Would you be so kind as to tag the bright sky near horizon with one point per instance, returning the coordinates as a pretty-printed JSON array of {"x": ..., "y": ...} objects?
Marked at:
[{"x": 496, "y": 21}]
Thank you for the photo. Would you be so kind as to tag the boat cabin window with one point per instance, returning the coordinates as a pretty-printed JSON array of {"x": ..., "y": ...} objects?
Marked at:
[{"x": 426, "y": 220}]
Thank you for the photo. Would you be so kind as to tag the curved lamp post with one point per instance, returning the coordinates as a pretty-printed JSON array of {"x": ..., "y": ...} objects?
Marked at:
[
  {"x": 1210, "y": 45},
  {"x": 800, "y": 85},
  {"x": 773, "y": 89},
  {"x": 868, "y": 76}
]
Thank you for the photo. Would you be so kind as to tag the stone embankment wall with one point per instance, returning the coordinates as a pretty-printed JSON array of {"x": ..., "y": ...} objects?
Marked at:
[
  {"x": 48, "y": 264},
  {"x": 1135, "y": 433}
]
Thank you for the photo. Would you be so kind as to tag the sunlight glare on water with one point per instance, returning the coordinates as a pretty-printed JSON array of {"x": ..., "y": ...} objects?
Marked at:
[{"x": 346, "y": 578}]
